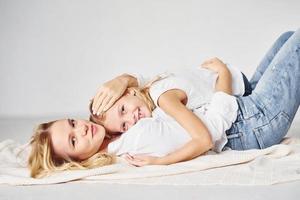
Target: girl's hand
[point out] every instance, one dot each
(214, 64)
(141, 160)
(224, 81)
(108, 94)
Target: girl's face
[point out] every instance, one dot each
(125, 113)
(78, 139)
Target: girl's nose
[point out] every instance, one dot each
(82, 130)
(131, 119)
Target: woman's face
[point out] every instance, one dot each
(125, 113)
(79, 139)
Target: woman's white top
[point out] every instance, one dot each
(161, 134)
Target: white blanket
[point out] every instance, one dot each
(276, 164)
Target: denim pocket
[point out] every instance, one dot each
(235, 141)
(273, 132)
(249, 108)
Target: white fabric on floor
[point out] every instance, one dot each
(276, 164)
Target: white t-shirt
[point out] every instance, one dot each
(207, 78)
(155, 136)
(197, 83)
(161, 134)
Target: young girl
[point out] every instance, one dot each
(261, 120)
(199, 105)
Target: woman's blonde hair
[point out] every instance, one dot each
(43, 161)
(140, 92)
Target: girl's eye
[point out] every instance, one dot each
(73, 141)
(123, 109)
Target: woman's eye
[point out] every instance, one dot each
(124, 126)
(73, 123)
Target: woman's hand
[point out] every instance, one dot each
(141, 160)
(107, 94)
(110, 92)
(214, 64)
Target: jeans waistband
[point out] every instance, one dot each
(248, 88)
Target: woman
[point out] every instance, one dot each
(53, 147)
(252, 112)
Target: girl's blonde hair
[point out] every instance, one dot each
(43, 161)
(140, 92)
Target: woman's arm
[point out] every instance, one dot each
(110, 91)
(173, 103)
(224, 81)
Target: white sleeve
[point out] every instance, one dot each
(238, 87)
(142, 80)
(168, 83)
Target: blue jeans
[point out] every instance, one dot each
(265, 116)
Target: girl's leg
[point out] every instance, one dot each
(265, 116)
(279, 86)
(267, 59)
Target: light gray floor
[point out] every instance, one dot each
(73, 191)
(20, 130)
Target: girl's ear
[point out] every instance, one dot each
(131, 92)
(128, 93)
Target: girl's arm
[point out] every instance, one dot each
(173, 103)
(224, 81)
(110, 91)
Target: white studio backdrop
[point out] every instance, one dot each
(54, 54)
